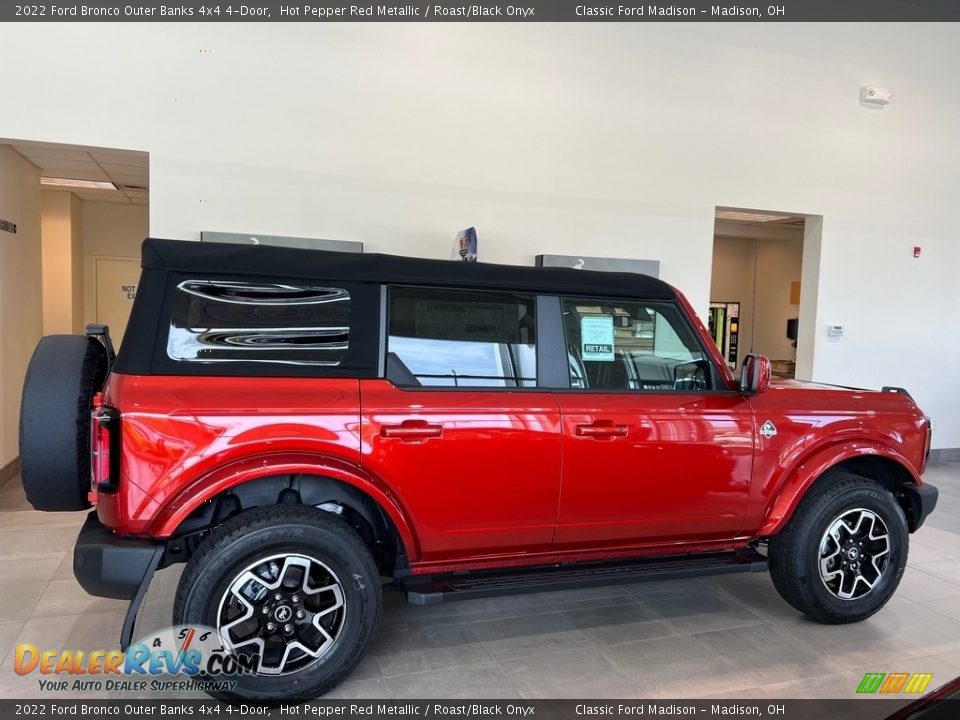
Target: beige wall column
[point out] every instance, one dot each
(21, 296)
(62, 238)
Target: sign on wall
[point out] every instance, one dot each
(8, 226)
(281, 241)
(115, 282)
(583, 262)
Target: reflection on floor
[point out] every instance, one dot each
(724, 636)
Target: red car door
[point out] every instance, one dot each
(458, 429)
(651, 453)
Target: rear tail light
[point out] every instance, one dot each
(105, 448)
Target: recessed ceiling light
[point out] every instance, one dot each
(77, 184)
(743, 216)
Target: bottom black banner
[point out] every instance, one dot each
(858, 709)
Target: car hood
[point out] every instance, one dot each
(792, 384)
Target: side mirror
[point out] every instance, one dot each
(755, 374)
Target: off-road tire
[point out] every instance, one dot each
(265, 532)
(795, 551)
(63, 375)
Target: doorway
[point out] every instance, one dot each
(758, 300)
(93, 218)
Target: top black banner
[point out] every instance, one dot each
(485, 11)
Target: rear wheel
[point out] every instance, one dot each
(294, 590)
(842, 554)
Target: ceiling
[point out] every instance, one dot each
(127, 169)
(758, 217)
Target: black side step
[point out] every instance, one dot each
(430, 590)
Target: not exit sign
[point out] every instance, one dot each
(8, 226)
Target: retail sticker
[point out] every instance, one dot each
(128, 293)
(596, 337)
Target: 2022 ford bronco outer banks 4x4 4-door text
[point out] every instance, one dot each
(301, 427)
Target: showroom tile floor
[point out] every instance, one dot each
(722, 636)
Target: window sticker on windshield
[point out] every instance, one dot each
(596, 337)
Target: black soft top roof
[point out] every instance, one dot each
(272, 261)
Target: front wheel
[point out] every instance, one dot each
(292, 589)
(842, 554)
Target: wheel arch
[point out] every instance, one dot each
(875, 462)
(257, 482)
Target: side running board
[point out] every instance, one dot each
(431, 590)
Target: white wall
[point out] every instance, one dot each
(109, 230)
(620, 139)
(808, 332)
(21, 318)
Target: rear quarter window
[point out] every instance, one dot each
(216, 321)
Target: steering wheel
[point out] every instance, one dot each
(697, 380)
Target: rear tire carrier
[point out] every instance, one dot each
(64, 374)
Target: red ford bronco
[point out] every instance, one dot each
(305, 429)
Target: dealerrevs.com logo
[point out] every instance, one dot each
(188, 657)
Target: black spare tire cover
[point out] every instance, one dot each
(64, 374)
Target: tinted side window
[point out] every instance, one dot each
(461, 338)
(629, 345)
(226, 321)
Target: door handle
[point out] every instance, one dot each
(411, 430)
(602, 429)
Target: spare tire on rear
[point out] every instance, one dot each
(64, 374)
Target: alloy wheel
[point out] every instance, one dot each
(854, 553)
(286, 609)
